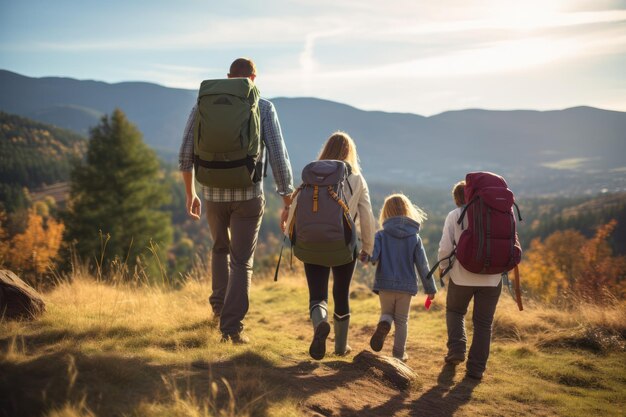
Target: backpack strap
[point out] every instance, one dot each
(465, 209)
(316, 197)
(445, 271)
(519, 215)
(346, 210)
(348, 173)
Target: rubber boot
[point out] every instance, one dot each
(341, 335)
(321, 329)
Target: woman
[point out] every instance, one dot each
(339, 146)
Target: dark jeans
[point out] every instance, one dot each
(234, 229)
(317, 277)
(485, 301)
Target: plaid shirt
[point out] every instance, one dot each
(275, 145)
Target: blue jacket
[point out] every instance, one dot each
(398, 250)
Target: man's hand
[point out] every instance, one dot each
(194, 207)
(364, 257)
(285, 213)
(431, 296)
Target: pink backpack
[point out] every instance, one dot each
(489, 244)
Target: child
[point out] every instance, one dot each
(398, 250)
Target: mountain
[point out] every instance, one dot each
(160, 112)
(576, 150)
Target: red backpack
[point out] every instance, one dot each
(489, 244)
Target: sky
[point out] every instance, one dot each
(416, 56)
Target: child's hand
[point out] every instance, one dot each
(431, 296)
(364, 257)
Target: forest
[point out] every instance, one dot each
(109, 203)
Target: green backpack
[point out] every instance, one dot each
(227, 142)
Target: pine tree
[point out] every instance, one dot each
(118, 191)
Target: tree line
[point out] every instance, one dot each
(124, 202)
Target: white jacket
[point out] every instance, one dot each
(360, 203)
(459, 275)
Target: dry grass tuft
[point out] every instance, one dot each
(598, 328)
(79, 409)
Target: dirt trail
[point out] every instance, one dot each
(339, 387)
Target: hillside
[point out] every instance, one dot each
(159, 112)
(33, 154)
(585, 214)
(575, 150)
(104, 350)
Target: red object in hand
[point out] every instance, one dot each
(427, 303)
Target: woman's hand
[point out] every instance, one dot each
(364, 257)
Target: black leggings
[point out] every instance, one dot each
(317, 278)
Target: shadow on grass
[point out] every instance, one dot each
(114, 385)
(443, 400)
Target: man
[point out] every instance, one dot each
(234, 215)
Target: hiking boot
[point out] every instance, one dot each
(378, 338)
(236, 338)
(345, 352)
(454, 358)
(342, 326)
(317, 350)
(474, 376)
(215, 318)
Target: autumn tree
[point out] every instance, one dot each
(33, 251)
(601, 270)
(118, 193)
(566, 262)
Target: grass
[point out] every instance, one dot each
(102, 350)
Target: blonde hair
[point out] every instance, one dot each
(458, 192)
(397, 205)
(341, 147)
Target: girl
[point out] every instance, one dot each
(398, 250)
(339, 146)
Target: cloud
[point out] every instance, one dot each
(340, 50)
(568, 164)
(308, 65)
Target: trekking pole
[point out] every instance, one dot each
(280, 257)
(518, 291)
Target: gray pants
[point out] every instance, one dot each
(234, 229)
(394, 307)
(485, 301)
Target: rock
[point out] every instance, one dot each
(18, 299)
(391, 369)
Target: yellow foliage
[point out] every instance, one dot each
(566, 261)
(34, 249)
(541, 274)
(601, 270)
